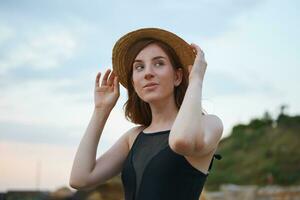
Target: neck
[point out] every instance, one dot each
(164, 113)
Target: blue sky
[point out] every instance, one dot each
(50, 52)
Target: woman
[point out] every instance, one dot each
(170, 153)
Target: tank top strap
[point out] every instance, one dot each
(217, 156)
(139, 135)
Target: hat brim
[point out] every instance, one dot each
(183, 50)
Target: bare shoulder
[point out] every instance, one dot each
(132, 133)
(111, 162)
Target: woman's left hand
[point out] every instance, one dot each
(198, 69)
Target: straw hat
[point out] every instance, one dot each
(183, 50)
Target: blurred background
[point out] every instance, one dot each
(51, 51)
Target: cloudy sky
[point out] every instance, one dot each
(51, 51)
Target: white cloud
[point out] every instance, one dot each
(40, 111)
(43, 50)
(5, 33)
(253, 66)
(36, 102)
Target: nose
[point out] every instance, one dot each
(149, 72)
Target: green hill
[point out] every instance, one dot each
(261, 152)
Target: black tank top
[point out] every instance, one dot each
(153, 171)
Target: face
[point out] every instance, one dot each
(152, 65)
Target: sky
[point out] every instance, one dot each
(51, 51)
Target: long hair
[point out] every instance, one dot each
(137, 110)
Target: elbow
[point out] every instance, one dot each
(77, 184)
(186, 145)
(81, 185)
(183, 147)
(74, 186)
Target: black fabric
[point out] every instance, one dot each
(153, 171)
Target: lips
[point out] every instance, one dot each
(150, 84)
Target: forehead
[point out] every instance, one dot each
(151, 50)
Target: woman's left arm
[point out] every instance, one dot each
(192, 133)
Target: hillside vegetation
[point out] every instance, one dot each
(265, 151)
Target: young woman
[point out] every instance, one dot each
(169, 154)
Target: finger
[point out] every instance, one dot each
(104, 79)
(194, 49)
(197, 48)
(116, 84)
(97, 79)
(111, 78)
(190, 68)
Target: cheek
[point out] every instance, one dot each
(167, 83)
(167, 78)
(136, 83)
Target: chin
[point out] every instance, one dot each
(151, 98)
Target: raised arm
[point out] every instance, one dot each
(105, 98)
(85, 157)
(88, 172)
(192, 133)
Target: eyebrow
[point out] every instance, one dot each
(156, 57)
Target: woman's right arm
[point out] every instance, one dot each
(84, 165)
(84, 160)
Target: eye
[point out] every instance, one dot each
(159, 63)
(137, 66)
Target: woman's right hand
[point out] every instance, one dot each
(106, 94)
